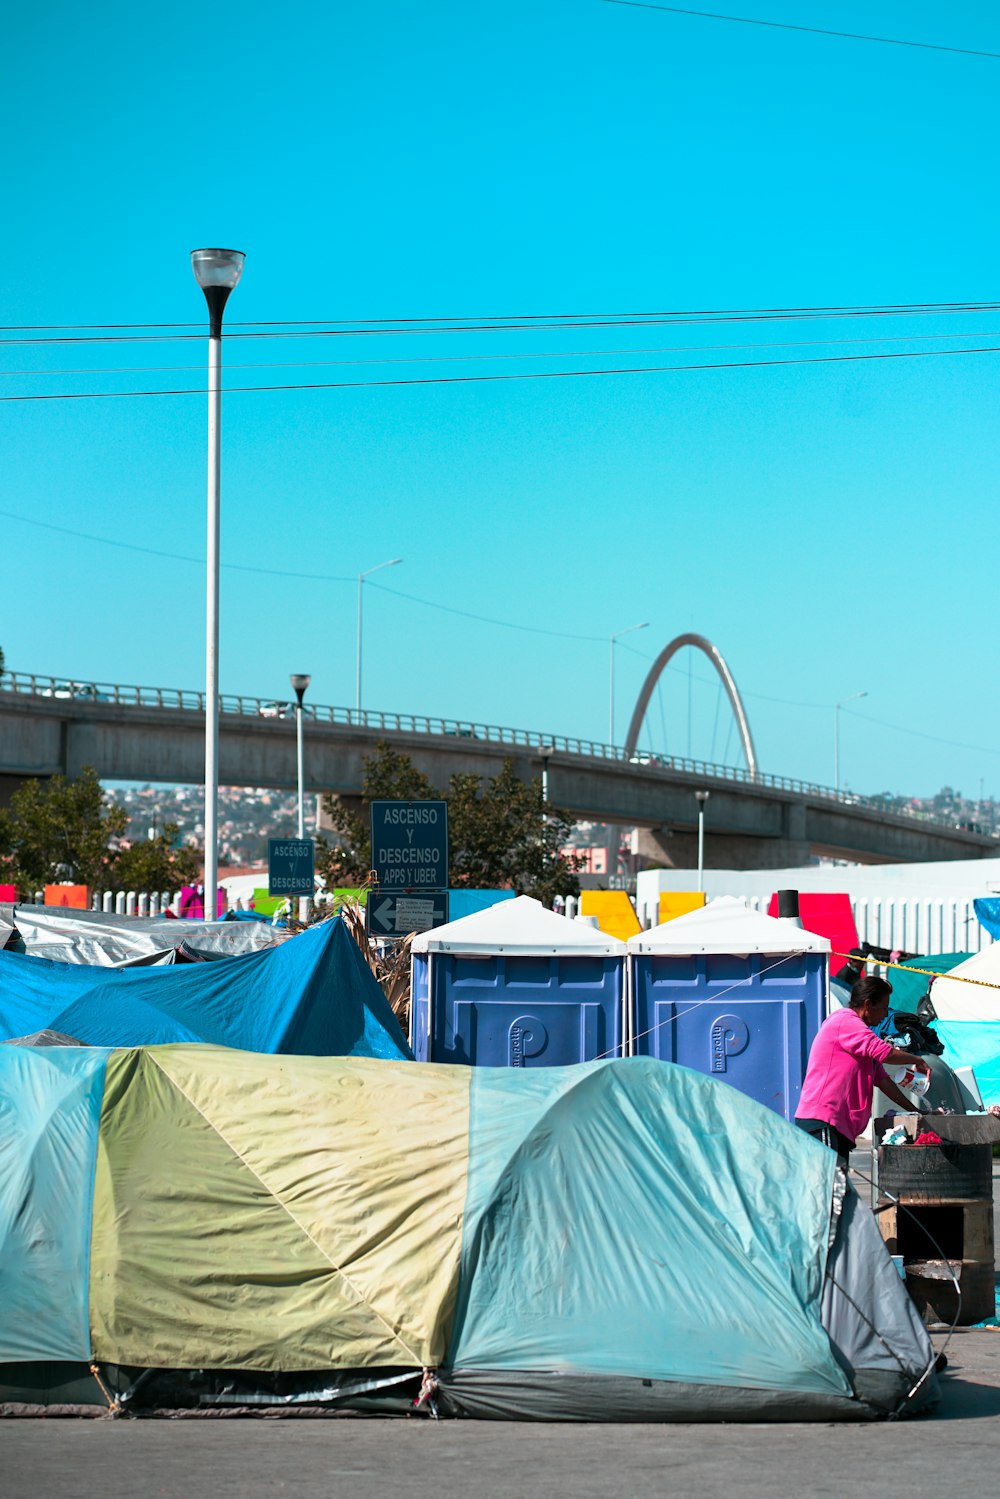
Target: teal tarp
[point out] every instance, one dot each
(908, 989)
(976, 1044)
(634, 1217)
(313, 995)
(50, 1105)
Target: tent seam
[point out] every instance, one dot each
(337, 1269)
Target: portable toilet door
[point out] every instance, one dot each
(516, 986)
(731, 993)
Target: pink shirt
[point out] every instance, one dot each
(845, 1063)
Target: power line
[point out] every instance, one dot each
(299, 364)
(527, 324)
(274, 572)
(850, 36)
(651, 369)
(858, 308)
(979, 749)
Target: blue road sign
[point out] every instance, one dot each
(410, 845)
(291, 864)
(395, 915)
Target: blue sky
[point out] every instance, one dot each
(829, 526)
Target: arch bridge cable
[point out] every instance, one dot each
(714, 655)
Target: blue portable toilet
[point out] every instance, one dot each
(731, 993)
(517, 985)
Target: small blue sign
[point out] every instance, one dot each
(291, 866)
(410, 845)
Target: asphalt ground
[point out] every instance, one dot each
(953, 1452)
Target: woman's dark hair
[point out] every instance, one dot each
(869, 990)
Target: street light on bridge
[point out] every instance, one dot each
(395, 561)
(611, 682)
(216, 272)
(836, 734)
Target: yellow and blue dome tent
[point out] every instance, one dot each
(622, 1240)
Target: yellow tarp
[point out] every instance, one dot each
(614, 911)
(679, 903)
(259, 1212)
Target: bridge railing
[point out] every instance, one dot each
(31, 684)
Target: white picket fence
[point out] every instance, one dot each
(909, 923)
(912, 924)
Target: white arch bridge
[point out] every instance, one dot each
(49, 726)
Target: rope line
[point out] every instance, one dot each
(959, 978)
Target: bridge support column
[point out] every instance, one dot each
(660, 849)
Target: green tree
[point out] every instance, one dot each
(157, 863)
(504, 836)
(389, 776)
(60, 829)
(501, 834)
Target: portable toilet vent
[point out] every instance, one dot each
(730, 993)
(517, 986)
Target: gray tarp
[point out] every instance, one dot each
(102, 940)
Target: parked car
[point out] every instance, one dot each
(86, 691)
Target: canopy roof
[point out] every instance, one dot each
(727, 925)
(314, 994)
(521, 926)
(189, 1208)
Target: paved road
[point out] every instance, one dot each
(955, 1452)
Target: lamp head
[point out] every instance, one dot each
(701, 797)
(217, 272)
(299, 684)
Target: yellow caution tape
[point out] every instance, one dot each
(932, 973)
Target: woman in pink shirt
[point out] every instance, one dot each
(846, 1064)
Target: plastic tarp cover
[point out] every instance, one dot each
(908, 989)
(291, 1214)
(98, 939)
(975, 1044)
(50, 1102)
(987, 909)
(956, 998)
(636, 1218)
(313, 995)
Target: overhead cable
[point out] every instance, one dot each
(850, 36)
(650, 369)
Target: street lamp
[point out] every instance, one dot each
(545, 751)
(395, 561)
(836, 734)
(299, 685)
(216, 272)
(701, 797)
(611, 682)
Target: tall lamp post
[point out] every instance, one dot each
(299, 685)
(216, 272)
(611, 676)
(836, 734)
(701, 797)
(394, 562)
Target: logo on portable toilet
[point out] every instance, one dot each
(526, 1038)
(729, 1036)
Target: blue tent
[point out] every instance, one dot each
(313, 995)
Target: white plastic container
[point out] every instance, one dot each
(910, 1080)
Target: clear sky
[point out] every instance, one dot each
(830, 526)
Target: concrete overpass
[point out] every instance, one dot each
(753, 820)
